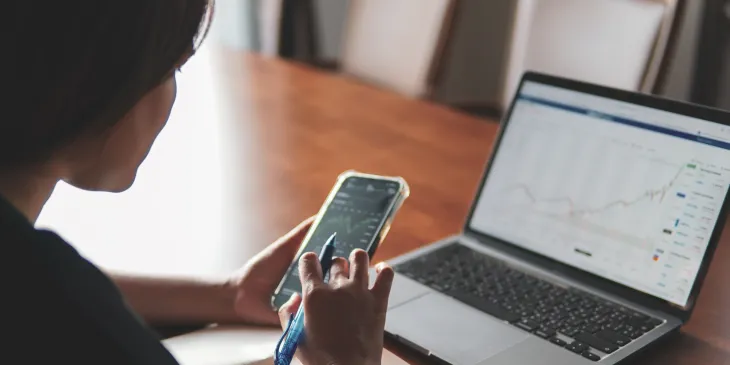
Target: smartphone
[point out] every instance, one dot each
(360, 209)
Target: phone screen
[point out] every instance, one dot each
(356, 213)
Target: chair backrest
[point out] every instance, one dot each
(666, 46)
(269, 27)
(617, 43)
(396, 44)
(287, 28)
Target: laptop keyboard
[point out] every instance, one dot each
(575, 320)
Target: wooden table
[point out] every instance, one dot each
(291, 130)
(313, 126)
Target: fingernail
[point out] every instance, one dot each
(379, 267)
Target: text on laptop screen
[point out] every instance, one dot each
(623, 191)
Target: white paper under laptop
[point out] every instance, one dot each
(236, 345)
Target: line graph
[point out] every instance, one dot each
(345, 223)
(657, 194)
(355, 228)
(624, 214)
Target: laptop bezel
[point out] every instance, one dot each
(647, 300)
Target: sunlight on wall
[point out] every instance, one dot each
(171, 220)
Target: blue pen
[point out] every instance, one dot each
(294, 331)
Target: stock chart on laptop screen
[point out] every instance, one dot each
(623, 191)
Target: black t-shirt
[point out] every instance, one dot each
(58, 308)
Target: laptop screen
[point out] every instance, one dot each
(623, 191)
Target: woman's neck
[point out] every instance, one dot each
(27, 192)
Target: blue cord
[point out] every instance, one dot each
(277, 359)
(294, 332)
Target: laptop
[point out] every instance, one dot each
(589, 237)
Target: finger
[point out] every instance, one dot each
(284, 250)
(293, 239)
(382, 285)
(359, 264)
(339, 272)
(288, 309)
(310, 272)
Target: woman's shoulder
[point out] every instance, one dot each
(41, 258)
(68, 301)
(29, 247)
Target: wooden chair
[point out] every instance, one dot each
(713, 39)
(269, 26)
(620, 43)
(396, 44)
(287, 28)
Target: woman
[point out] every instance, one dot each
(89, 85)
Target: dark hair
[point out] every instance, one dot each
(78, 66)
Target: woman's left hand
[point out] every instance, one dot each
(256, 281)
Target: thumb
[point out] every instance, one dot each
(291, 241)
(278, 256)
(289, 309)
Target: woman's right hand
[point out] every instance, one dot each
(344, 319)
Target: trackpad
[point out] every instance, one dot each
(452, 330)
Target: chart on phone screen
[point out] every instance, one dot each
(355, 228)
(634, 206)
(355, 214)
